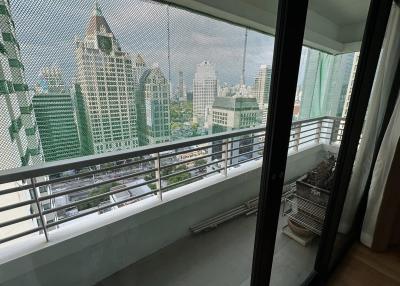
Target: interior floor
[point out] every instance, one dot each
(361, 266)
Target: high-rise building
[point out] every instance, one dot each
(154, 125)
(232, 113)
(181, 92)
(54, 112)
(261, 89)
(339, 84)
(325, 84)
(16, 107)
(189, 96)
(107, 80)
(205, 90)
(20, 144)
(350, 85)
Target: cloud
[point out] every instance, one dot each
(46, 31)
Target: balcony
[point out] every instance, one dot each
(133, 211)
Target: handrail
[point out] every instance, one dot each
(224, 153)
(47, 168)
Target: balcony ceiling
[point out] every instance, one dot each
(341, 12)
(335, 26)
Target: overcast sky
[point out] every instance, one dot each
(46, 30)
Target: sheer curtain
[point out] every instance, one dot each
(376, 109)
(380, 175)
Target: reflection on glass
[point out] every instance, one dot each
(323, 92)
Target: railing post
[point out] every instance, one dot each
(41, 216)
(319, 130)
(158, 175)
(225, 156)
(334, 131)
(297, 132)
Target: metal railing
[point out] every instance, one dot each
(100, 183)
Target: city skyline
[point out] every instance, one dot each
(193, 38)
(107, 76)
(119, 79)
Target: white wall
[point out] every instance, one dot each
(321, 33)
(84, 253)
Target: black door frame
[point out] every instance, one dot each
(285, 68)
(374, 33)
(356, 227)
(287, 51)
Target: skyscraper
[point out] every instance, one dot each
(20, 145)
(22, 141)
(261, 89)
(325, 84)
(54, 112)
(181, 87)
(205, 90)
(107, 79)
(350, 85)
(154, 124)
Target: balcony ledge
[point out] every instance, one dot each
(111, 241)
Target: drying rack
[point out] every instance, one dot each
(304, 212)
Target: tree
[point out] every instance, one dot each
(152, 186)
(200, 162)
(178, 178)
(97, 191)
(150, 176)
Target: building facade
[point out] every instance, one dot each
(54, 113)
(20, 142)
(154, 124)
(107, 80)
(350, 85)
(205, 90)
(325, 84)
(261, 89)
(16, 106)
(232, 113)
(181, 91)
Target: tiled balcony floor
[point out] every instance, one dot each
(219, 257)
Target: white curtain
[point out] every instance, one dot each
(376, 109)
(380, 175)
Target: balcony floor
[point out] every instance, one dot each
(219, 257)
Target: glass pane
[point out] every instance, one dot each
(151, 119)
(319, 115)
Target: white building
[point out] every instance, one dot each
(154, 124)
(108, 79)
(233, 113)
(181, 90)
(205, 90)
(261, 89)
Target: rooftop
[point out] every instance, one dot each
(236, 103)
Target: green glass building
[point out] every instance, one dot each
(325, 84)
(154, 124)
(17, 121)
(54, 112)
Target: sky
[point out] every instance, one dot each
(46, 31)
